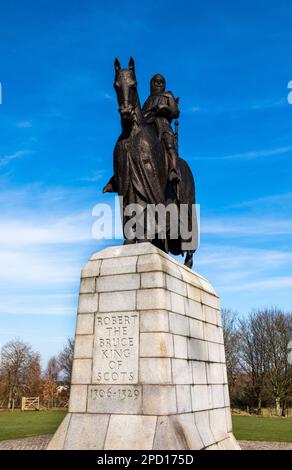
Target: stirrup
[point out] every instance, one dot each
(174, 176)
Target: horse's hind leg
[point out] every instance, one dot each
(189, 259)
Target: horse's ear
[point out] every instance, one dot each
(117, 65)
(132, 64)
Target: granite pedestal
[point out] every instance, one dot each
(149, 366)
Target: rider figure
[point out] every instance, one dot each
(161, 107)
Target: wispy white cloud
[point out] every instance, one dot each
(246, 226)
(37, 201)
(264, 285)
(194, 109)
(44, 234)
(213, 109)
(13, 156)
(277, 103)
(229, 257)
(250, 155)
(283, 199)
(38, 267)
(24, 124)
(108, 96)
(96, 176)
(34, 304)
(55, 230)
(237, 269)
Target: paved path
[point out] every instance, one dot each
(265, 445)
(27, 443)
(41, 442)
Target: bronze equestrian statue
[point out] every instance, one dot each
(147, 169)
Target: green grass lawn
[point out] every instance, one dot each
(254, 428)
(29, 423)
(33, 423)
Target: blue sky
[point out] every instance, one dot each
(230, 64)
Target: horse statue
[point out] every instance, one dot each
(141, 170)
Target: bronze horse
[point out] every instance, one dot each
(141, 165)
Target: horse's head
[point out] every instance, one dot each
(126, 88)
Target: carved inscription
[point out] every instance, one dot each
(116, 393)
(114, 399)
(116, 348)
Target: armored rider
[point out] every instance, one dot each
(161, 108)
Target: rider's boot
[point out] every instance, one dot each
(174, 174)
(110, 186)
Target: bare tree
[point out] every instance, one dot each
(19, 369)
(65, 360)
(252, 356)
(231, 343)
(52, 370)
(277, 331)
(34, 376)
(264, 338)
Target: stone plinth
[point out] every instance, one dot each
(149, 366)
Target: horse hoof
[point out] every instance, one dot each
(189, 262)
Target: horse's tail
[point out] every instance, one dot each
(187, 197)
